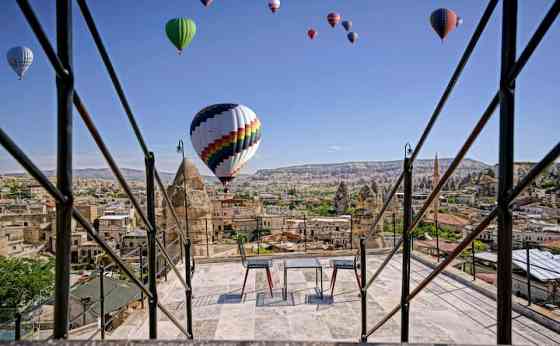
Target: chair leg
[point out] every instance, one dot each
(269, 277)
(335, 272)
(244, 282)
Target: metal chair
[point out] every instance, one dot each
(345, 265)
(253, 263)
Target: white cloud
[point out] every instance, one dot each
(334, 148)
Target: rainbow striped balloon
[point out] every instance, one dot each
(225, 136)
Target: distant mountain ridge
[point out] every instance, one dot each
(371, 167)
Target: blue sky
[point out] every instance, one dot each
(319, 101)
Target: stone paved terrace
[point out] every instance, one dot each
(448, 312)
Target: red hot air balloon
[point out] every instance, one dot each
(311, 33)
(206, 3)
(274, 5)
(333, 19)
(444, 21)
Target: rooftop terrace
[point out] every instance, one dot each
(447, 312)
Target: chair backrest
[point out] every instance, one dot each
(241, 246)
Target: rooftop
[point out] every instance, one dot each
(447, 312)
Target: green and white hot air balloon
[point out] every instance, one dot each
(180, 32)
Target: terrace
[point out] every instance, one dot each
(448, 311)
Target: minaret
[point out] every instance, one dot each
(435, 181)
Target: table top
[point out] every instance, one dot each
(302, 263)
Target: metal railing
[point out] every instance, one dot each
(62, 193)
(504, 98)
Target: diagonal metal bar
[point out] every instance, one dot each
(456, 74)
(550, 157)
(172, 264)
(118, 174)
(529, 49)
(90, 22)
(12, 148)
(39, 32)
(452, 167)
(443, 100)
(112, 74)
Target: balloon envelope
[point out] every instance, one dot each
(311, 33)
(352, 37)
(347, 25)
(274, 5)
(20, 58)
(180, 32)
(225, 136)
(206, 3)
(333, 19)
(444, 21)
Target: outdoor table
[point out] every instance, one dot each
(303, 263)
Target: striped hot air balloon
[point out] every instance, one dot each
(180, 32)
(444, 21)
(333, 18)
(20, 58)
(225, 136)
(274, 5)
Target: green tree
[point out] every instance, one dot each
(23, 281)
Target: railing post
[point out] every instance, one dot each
(165, 248)
(473, 263)
(437, 234)
(407, 221)
(207, 239)
(394, 230)
(17, 332)
(150, 194)
(305, 232)
(65, 91)
(102, 301)
(363, 288)
(528, 262)
(505, 172)
(142, 275)
(188, 292)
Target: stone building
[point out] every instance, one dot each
(199, 208)
(368, 206)
(334, 232)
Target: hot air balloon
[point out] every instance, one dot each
(180, 32)
(20, 58)
(206, 3)
(333, 19)
(311, 33)
(347, 24)
(444, 21)
(352, 37)
(274, 5)
(225, 136)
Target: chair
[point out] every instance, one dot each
(253, 263)
(345, 265)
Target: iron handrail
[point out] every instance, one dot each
(442, 101)
(533, 43)
(549, 158)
